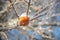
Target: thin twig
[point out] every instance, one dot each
(41, 10)
(48, 14)
(14, 8)
(28, 8)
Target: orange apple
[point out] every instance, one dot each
(23, 20)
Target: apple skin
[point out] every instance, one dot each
(23, 20)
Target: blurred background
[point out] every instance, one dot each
(44, 21)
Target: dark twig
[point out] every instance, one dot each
(28, 7)
(14, 8)
(38, 16)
